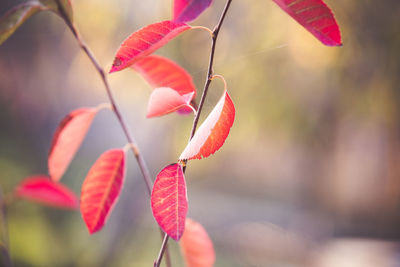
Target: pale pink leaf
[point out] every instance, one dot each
(165, 100)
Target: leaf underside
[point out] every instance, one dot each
(213, 132)
(165, 100)
(188, 10)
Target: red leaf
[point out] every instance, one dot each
(169, 200)
(67, 140)
(316, 17)
(145, 41)
(43, 190)
(101, 188)
(188, 10)
(165, 100)
(212, 133)
(162, 72)
(196, 246)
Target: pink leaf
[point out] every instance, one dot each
(316, 17)
(145, 41)
(165, 100)
(188, 10)
(101, 188)
(196, 246)
(67, 140)
(169, 200)
(43, 190)
(162, 72)
(213, 132)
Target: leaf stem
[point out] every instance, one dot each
(209, 78)
(103, 106)
(222, 79)
(203, 28)
(132, 143)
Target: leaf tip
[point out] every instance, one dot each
(116, 65)
(43, 190)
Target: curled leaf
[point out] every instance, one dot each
(165, 100)
(43, 190)
(188, 10)
(101, 188)
(67, 7)
(162, 72)
(67, 140)
(213, 132)
(169, 200)
(196, 245)
(145, 41)
(316, 17)
(16, 16)
(61, 7)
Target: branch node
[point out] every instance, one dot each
(134, 148)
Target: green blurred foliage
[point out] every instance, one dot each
(310, 169)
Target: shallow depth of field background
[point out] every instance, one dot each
(309, 175)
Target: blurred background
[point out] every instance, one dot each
(309, 175)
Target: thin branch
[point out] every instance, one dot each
(132, 143)
(210, 68)
(4, 246)
(142, 164)
(202, 99)
(162, 250)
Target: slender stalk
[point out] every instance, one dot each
(132, 143)
(134, 148)
(210, 67)
(162, 250)
(5, 259)
(209, 78)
